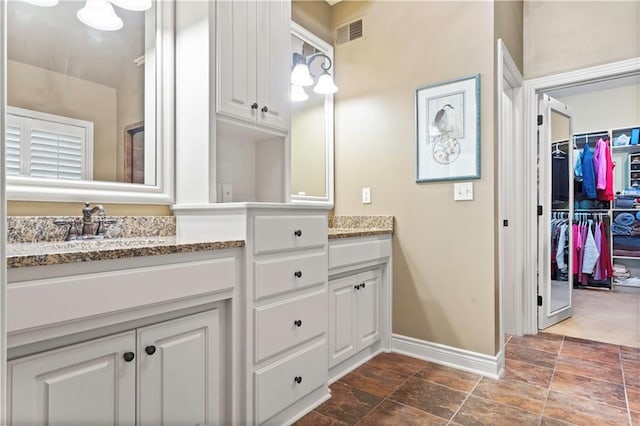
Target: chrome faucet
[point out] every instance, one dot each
(88, 229)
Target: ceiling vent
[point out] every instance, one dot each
(349, 32)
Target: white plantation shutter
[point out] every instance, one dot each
(48, 146)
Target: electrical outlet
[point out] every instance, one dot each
(463, 191)
(366, 195)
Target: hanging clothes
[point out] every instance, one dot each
(588, 173)
(606, 266)
(605, 171)
(559, 176)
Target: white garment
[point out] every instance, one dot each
(591, 253)
(562, 241)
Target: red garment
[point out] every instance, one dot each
(607, 194)
(606, 268)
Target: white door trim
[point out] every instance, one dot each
(530, 89)
(3, 214)
(510, 149)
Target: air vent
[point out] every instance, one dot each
(349, 32)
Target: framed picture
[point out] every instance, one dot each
(448, 130)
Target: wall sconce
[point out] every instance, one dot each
(302, 77)
(100, 15)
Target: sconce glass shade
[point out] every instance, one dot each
(99, 14)
(298, 94)
(325, 85)
(135, 5)
(300, 75)
(43, 3)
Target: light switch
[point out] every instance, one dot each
(366, 195)
(463, 191)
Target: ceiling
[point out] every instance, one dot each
(54, 39)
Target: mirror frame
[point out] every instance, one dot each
(26, 188)
(308, 37)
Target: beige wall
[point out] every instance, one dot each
(308, 168)
(314, 15)
(33, 208)
(54, 93)
(508, 18)
(444, 251)
(568, 35)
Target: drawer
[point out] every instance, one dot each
(283, 325)
(354, 251)
(276, 385)
(274, 233)
(285, 274)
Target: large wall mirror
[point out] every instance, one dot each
(90, 104)
(311, 129)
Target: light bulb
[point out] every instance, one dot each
(298, 94)
(300, 75)
(43, 3)
(99, 14)
(135, 5)
(325, 85)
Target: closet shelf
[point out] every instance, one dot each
(627, 257)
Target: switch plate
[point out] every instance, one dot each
(366, 195)
(463, 191)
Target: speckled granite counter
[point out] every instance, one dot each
(359, 226)
(21, 255)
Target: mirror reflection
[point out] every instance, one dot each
(76, 93)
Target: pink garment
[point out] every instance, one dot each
(575, 249)
(597, 270)
(600, 164)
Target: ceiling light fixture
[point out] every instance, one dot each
(43, 3)
(99, 14)
(135, 5)
(301, 76)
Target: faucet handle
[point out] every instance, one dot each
(72, 232)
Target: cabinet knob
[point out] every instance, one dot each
(254, 105)
(298, 232)
(128, 356)
(363, 285)
(298, 379)
(265, 109)
(357, 287)
(298, 323)
(150, 350)
(298, 274)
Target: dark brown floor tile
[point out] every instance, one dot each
(631, 369)
(529, 354)
(527, 373)
(538, 342)
(635, 418)
(596, 390)
(392, 414)
(546, 421)
(430, 397)
(593, 369)
(447, 376)
(520, 395)
(348, 404)
(600, 352)
(593, 344)
(549, 336)
(316, 419)
(583, 411)
(397, 363)
(627, 352)
(478, 411)
(374, 380)
(633, 396)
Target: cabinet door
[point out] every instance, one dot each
(236, 58)
(342, 319)
(179, 371)
(83, 384)
(368, 308)
(274, 63)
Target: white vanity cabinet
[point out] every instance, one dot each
(176, 364)
(253, 61)
(354, 314)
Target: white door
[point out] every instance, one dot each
(179, 371)
(368, 308)
(274, 62)
(342, 319)
(555, 198)
(91, 383)
(236, 59)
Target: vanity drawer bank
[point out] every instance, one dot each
(124, 331)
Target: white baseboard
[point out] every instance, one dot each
(474, 362)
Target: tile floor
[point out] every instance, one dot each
(548, 380)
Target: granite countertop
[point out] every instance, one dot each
(21, 255)
(359, 226)
(335, 233)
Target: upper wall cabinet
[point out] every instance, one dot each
(253, 49)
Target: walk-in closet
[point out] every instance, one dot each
(589, 211)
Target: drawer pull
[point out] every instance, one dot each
(298, 274)
(150, 350)
(357, 287)
(298, 323)
(298, 379)
(363, 285)
(128, 356)
(298, 232)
